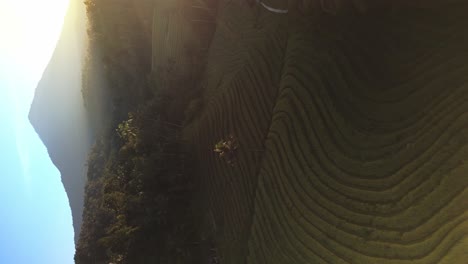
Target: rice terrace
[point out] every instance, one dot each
(280, 132)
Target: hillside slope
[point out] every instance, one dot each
(352, 130)
(57, 112)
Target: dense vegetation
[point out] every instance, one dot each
(119, 49)
(137, 192)
(140, 178)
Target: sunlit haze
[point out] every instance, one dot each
(30, 30)
(35, 225)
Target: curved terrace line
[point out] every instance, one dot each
(271, 9)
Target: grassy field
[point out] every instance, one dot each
(352, 131)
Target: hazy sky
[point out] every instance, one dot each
(35, 217)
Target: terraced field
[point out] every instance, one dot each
(353, 136)
(180, 30)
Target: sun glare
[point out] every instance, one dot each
(30, 30)
(33, 21)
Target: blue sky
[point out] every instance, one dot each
(35, 217)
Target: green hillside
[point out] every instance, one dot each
(362, 119)
(351, 119)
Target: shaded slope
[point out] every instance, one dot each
(57, 112)
(363, 123)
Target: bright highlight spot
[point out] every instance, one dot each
(30, 29)
(36, 225)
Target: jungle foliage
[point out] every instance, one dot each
(141, 178)
(119, 33)
(137, 193)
